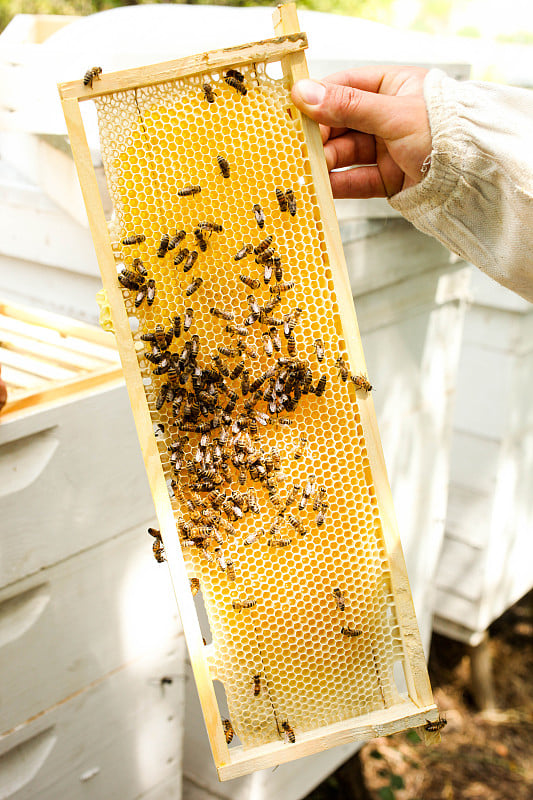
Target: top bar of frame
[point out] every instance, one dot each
(265, 51)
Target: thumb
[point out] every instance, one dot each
(344, 107)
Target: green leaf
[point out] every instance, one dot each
(396, 781)
(385, 793)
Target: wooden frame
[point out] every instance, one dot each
(418, 706)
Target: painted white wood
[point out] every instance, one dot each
(81, 619)
(120, 737)
(92, 471)
(488, 549)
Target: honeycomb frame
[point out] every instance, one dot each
(307, 677)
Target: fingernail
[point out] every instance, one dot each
(311, 92)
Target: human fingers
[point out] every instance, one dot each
(349, 149)
(368, 79)
(342, 106)
(359, 182)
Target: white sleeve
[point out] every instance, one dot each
(477, 196)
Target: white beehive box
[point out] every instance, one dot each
(485, 564)
(82, 650)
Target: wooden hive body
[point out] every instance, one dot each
(159, 133)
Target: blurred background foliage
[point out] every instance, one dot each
(472, 18)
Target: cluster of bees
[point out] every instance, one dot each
(219, 403)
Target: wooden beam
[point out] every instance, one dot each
(265, 51)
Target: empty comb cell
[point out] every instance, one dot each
(226, 402)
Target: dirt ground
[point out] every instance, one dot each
(482, 756)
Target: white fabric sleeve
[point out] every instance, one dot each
(477, 196)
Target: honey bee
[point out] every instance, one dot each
(163, 245)
(134, 238)
(224, 166)
(130, 279)
(291, 201)
(150, 292)
(229, 733)
(240, 254)
(201, 241)
(187, 191)
(253, 537)
(361, 382)
(253, 283)
(175, 240)
(343, 368)
(275, 337)
(162, 396)
(209, 92)
(236, 84)
(319, 349)
(227, 526)
(307, 492)
(237, 370)
(176, 326)
(297, 524)
(267, 272)
(278, 270)
(282, 200)
(257, 685)
(264, 245)
(155, 533)
(291, 344)
(289, 731)
(438, 725)
(194, 583)
(267, 257)
(190, 261)
(300, 450)
(194, 286)
(279, 541)
(282, 287)
(138, 265)
(347, 631)
(92, 74)
(245, 382)
(248, 602)
(180, 256)
(187, 319)
(234, 73)
(259, 215)
(213, 227)
(321, 516)
(222, 314)
(159, 551)
(230, 569)
(293, 494)
(339, 599)
(141, 294)
(267, 344)
(321, 385)
(236, 330)
(319, 498)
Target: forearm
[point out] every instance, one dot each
(477, 196)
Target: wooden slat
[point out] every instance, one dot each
(267, 50)
(104, 355)
(21, 380)
(54, 393)
(295, 67)
(65, 325)
(152, 461)
(380, 723)
(53, 354)
(34, 366)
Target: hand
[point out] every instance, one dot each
(375, 117)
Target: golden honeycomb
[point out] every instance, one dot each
(156, 140)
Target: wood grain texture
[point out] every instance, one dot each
(267, 50)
